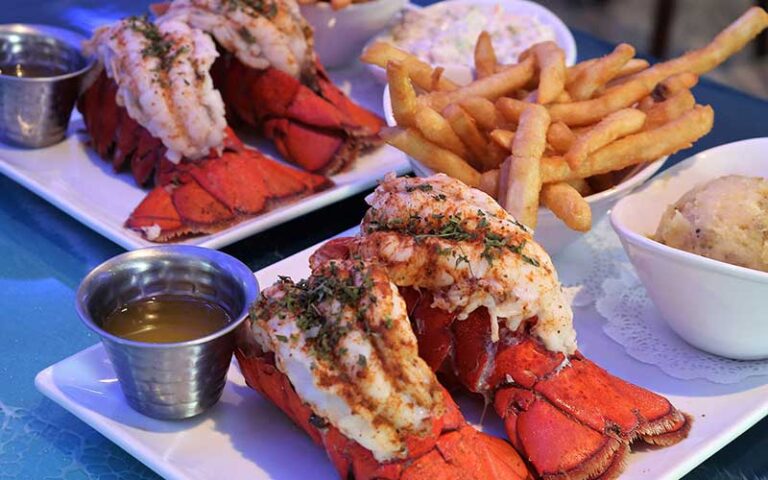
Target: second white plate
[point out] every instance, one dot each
(73, 178)
(246, 437)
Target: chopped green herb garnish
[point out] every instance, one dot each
(282, 338)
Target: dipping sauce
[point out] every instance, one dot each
(446, 33)
(31, 70)
(166, 319)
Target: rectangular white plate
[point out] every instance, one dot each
(244, 436)
(73, 178)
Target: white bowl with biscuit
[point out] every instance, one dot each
(715, 306)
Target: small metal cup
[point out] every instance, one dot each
(35, 111)
(169, 380)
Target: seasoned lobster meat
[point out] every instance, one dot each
(153, 107)
(337, 354)
(270, 79)
(489, 314)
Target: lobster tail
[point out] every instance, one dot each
(336, 354)
(313, 124)
(568, 417)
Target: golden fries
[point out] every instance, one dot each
(600, 72)
(531, 135)
(642, 147)
(662, 112)
(537, 132)
(503, 138)
(381, 53)
(466, 129)
(614, 126)
(401, 94)
(434, 157)
(485, 56)
(550, 60)
(511, 108)
(520, 182)
(483, 111)
(560, 137)
(438, 130)
(673, 85)
(568, 205)
(491, 87)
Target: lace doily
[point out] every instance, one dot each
(633, 321)
(584, 265)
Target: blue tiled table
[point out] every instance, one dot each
(44, 254)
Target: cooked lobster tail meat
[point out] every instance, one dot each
(153, 109)
(154, 98)
(270, 79)
(489, 314)
(336, 353)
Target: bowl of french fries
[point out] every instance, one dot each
(532, 134)
(343, 27)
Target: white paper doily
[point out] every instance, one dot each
(583, 266)
(633, 321)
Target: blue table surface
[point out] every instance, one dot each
(44, 254)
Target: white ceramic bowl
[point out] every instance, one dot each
(714, 306)
(461, 73)
(551, 232)
(341, 34)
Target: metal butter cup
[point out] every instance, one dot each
(35, 111)
(169, 380)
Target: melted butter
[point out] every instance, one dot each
(166, 319)
(30, 70)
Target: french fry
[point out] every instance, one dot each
(483, 111)
(567, 205)
(401, 94)
(503, 138)
(633, 66)
(531, 135)
(600, 72)
(663, 112)
(381, 53)
(575, 70)
(466, 129)
(492, 87)
(520, 184)
(560, 137)
(564, 97)
(521, 177)
(496, 155)
(485, 56)
(438, 159)
(511, 108)
(437, 76)
(646, 146)
(550, 60)
(674, 84)
(614, 126)
(437, 129)
(646, 103)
